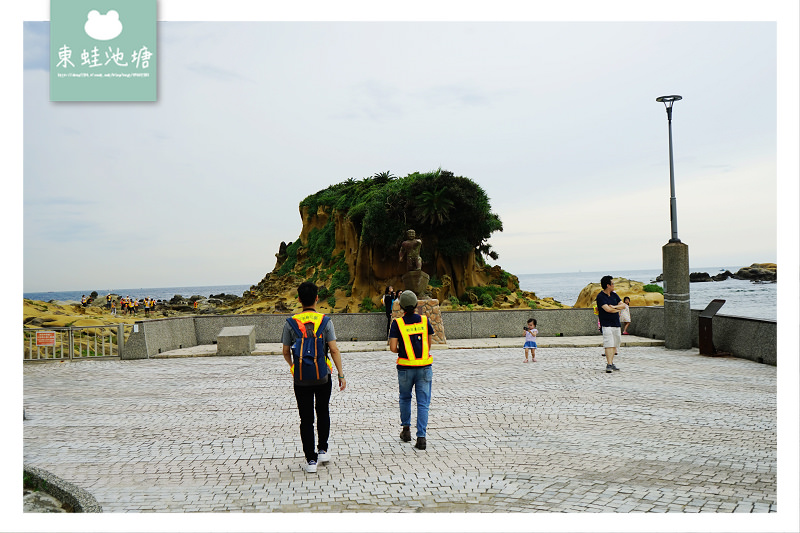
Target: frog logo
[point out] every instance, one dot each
(103, 27)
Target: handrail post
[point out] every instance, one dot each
(120, 339)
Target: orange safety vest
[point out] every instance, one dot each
(406, 331)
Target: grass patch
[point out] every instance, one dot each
(366, 305)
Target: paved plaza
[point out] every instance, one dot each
(672, 431)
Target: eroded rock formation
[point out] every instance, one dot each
(623, 287)
(371, 271)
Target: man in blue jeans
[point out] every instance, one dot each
(409, 338)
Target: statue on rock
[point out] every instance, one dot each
(415, 280)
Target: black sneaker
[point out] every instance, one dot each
(609, 369)
(421, 444)
(614, 367)
(405, 435)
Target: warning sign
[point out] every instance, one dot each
(45, 338)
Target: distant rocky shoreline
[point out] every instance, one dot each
(757, 272)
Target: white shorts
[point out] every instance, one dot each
(611, 337)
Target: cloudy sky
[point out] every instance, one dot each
(557, 121)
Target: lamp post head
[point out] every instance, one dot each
(668, 101)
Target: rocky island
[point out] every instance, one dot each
(353, 233)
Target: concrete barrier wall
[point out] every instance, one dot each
(647, 322)
(268, 327)
(746, 338)
(360, 326)
(160, 335)
(743, 337)
(509, 323)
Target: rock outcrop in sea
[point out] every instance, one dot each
(350, 240)
(457, 282)
(755, 272)
(623, 287)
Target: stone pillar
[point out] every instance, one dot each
(677, 313)
(430, 308)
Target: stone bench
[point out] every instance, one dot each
(236, 340)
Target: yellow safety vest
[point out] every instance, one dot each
(315, 318)
(406, 330)
(308, 316)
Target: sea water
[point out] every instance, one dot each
(160, 293)
(742, 298)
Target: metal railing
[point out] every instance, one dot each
(71, 343)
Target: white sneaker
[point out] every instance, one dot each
(323, 456)
(310, 467)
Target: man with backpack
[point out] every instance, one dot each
(307, 338)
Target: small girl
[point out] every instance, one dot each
(530, 339)
(625, 316)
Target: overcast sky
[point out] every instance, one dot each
(557, 121)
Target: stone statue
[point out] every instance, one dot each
(410, 248)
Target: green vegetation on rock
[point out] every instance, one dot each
(653, 288)
(451, 212)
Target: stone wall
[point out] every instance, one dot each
(207, 327)
(747, 338)
(159, 335)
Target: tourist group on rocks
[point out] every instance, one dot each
(128, 305)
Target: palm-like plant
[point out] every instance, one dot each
(382, 177)
(434, 206)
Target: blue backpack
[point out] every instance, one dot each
(310, 363)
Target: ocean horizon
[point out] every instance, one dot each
(742, 298)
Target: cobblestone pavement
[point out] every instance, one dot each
(672, 431)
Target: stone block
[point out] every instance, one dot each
(236, 340)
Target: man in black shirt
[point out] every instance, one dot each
(608, 307)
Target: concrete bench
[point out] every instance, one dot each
(236, 340)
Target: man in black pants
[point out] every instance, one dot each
(309, 392)
(388, 299)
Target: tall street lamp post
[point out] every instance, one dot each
(675, 256)
(673, 210)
